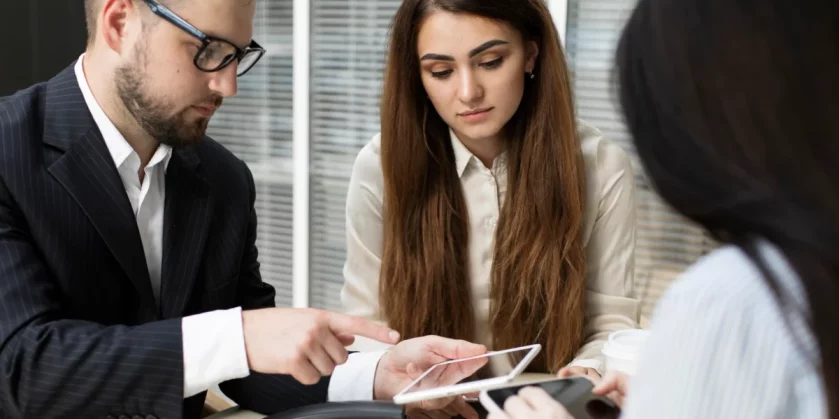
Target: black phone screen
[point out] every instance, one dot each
(500, 396)
(573, 393)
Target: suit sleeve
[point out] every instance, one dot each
(55, 367)
(265, 393)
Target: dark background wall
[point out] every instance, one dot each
(39, 38)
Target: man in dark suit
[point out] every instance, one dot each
(129, 280)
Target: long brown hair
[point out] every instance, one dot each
(538, 272)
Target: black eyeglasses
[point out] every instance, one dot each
(214, 54)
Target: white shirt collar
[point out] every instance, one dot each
(463, 156)
(117, 145)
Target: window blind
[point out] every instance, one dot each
(348, 46)
(256, 125)
(666, 242)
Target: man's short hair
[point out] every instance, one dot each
(91, 12)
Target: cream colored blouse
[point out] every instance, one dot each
(609, 234)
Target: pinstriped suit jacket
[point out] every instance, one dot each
(80, 333)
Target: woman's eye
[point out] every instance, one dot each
(441, 74)
(492, 64)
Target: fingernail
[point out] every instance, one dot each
(394, 336)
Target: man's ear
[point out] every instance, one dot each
(117, 20)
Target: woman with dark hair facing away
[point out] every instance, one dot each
(484, 210)
(733, 108)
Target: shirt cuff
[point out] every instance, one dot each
(354, 379)
(214, 349)
(594, 364)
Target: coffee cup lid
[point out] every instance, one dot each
(626, 343)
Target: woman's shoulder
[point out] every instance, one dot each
(725, 277)
(720, 327)
(371, 152)
(368, 166)
(609, 177)
(603, 158)
(728, 280)
(728, 276)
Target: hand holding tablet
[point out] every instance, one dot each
(451, 378)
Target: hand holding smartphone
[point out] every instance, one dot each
(573, 393)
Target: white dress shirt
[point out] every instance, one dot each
(213, 342)
(721, 346)
(608, 232)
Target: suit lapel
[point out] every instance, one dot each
(87, 171)
(186, 219)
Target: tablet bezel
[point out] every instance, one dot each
(470, 387)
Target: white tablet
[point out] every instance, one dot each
(452, 378)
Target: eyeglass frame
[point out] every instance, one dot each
(206, 40)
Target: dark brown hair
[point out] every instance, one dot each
(538, 272)
(733, 108)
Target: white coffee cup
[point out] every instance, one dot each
(623, 350)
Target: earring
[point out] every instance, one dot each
(531, 76)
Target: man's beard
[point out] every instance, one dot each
(151, 114)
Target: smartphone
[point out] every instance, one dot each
(573, 393)
(459, 376)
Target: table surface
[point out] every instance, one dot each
(237, 413)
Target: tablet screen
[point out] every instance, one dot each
(491, 365)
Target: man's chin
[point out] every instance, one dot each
(183, 140)
(190, 136)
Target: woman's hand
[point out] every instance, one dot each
(532, 403)
(589, 373)
(614, 386)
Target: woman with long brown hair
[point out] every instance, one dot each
(484, 210)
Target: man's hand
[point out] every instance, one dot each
(400, 366)
(304, 343)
